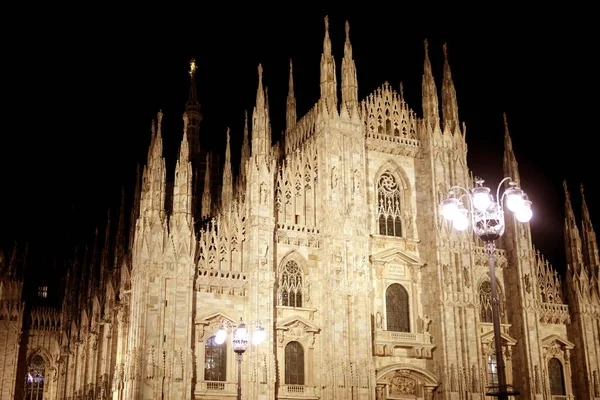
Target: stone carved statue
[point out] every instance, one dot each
(378, 320)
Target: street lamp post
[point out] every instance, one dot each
(239, 343)
(486, 217)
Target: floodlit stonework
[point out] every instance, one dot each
(332, 237)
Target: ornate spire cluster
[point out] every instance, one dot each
(328, 75)
(582, 254)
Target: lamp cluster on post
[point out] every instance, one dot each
(485, 214)
(239, 342)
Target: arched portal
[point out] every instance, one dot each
(396, 381)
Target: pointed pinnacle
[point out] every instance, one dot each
(347, 27)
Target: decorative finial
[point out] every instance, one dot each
(347, 30)
(326, 23)
(260, 71)
(565, 186)
(185, 122)
(581, 188)
(401, 90)
(426, 46)
(445, 49)
(193, 67)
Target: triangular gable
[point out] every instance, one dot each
(506, 338)
(210, 317)
(395, 255)
(549, 341)
(286, 323)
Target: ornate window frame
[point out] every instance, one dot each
(554, 346)
(406, 200)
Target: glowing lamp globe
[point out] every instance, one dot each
(481, 198)
(524, 213)
(461, 220)
(259, 335)
(221, 336)
(450, 208)
(514, 198)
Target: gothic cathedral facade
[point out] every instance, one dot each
(331, 240)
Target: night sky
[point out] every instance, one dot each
(80, 95)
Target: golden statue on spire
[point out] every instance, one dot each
(193, 67)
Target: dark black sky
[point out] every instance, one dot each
(80, 93)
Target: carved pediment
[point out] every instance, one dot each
(396, 256)
(297, 322)
(214, 317)
(507, 340)
(555, 340)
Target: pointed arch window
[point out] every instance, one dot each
(397, 308)
(389, 212)
(290, 284)
(215, 360)
(485, 302)
(294, 364)
(35, 379)
(556, 377)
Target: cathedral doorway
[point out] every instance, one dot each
(403, 381)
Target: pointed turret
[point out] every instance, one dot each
(259, 121)
(245, 156)
(590, 244)
(349, 81)
(449, 103)
(572, 239)
(227, 189)
(105, 257)
(119, 245)
(193, 114)
(135, 209)
(182, 188)
(328, 75)
(206, 200)
(269, 138)
(511, 167)
(430, 97)
(290, 110)
(152, 201)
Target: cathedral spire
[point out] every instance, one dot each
(290, 112)
(449, 103)
(153, 188)
(349, 82)
(135, 209)
(429, 93)
(192, 112)
(206, 205)
(259, 121)
(182, 188)
(572, 239)
(511, 167)
(245, 156)
(590, 243)
(119, 245)
(227, 190)
(328, 76)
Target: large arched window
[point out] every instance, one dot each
(396, 307)
(290, 284)
(215, 360)
(294, 364)
(485, 302)
(556, 377)
(34, 381)
(389, 212)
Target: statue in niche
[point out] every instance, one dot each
(355, 181)
(426, 323)
(380, 395)
(378, 320)
(467, 276)
(334, 178)
(263, 193)
(527, 279)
